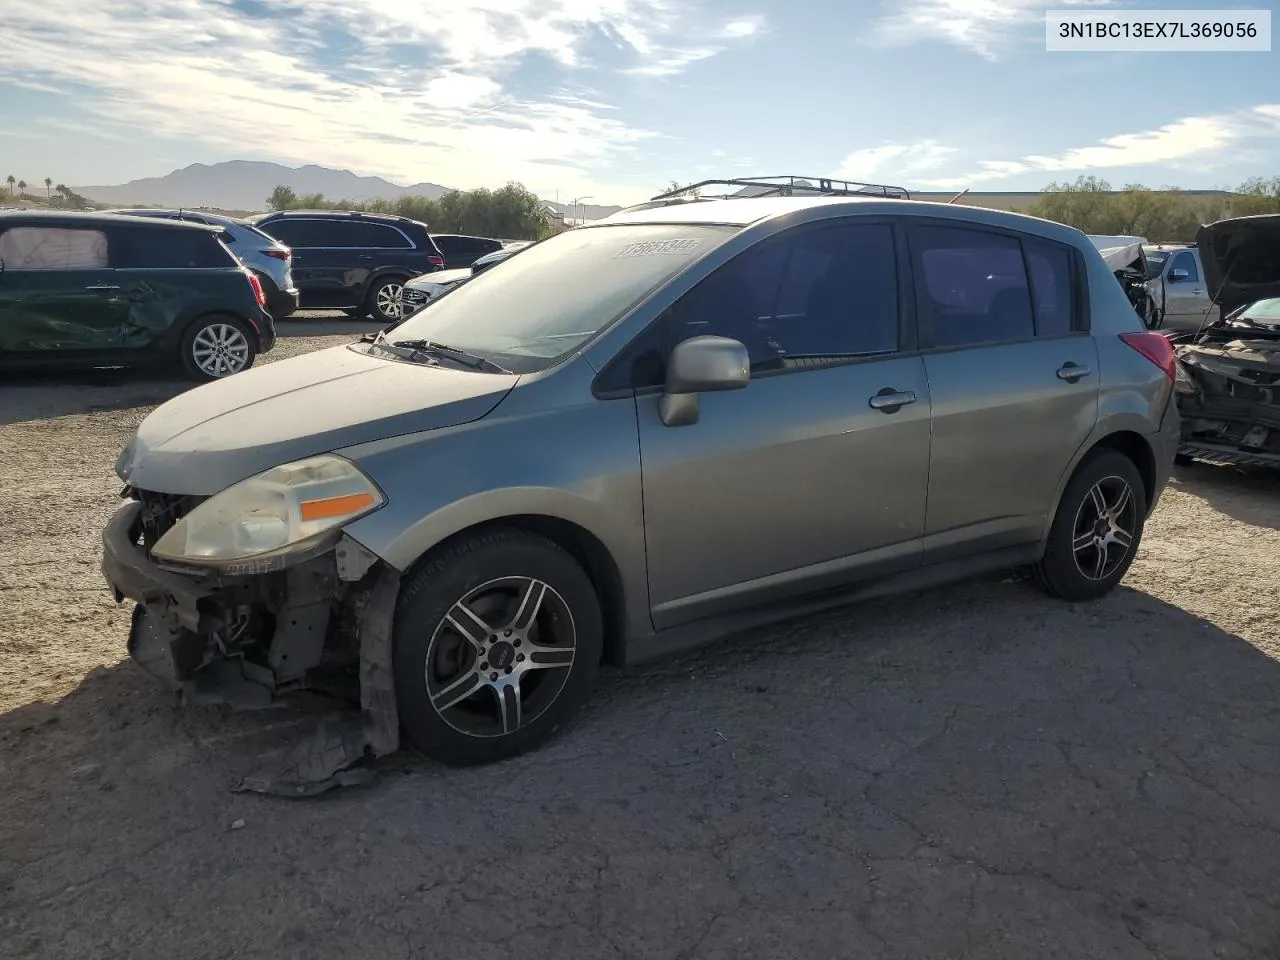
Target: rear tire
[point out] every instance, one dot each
(216, 347)
(478, 677)
(1097, 530)
(383, 302)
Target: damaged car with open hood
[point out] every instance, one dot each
(680, 422)
(1229, 371)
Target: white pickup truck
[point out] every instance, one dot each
(1176, 280)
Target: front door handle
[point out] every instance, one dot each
(102, 288)
(891, 400)
(1071, 372)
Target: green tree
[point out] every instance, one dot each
(282, 198)
(1255, 196)
(11, 181)
(48, 186)
(22, 187)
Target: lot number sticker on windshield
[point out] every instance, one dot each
(654, 248)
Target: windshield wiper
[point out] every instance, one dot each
(472, 360)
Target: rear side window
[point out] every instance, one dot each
(318, 233)
(53, 248)
(142, 249)
(1051, 289)
(383, 237)
(975, 287)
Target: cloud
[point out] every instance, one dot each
(1199, 143)
(984, 27)
(391, 87)
(895, 161)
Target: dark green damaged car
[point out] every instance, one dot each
(92, 290)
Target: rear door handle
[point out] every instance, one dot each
(102, 288)
(365, 256)
(1071, 372)
(891, 400)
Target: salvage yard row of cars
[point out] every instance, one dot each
(666, 375)
(198, 290)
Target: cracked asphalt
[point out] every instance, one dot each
(974, 772)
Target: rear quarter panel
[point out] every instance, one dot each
(1134, 394)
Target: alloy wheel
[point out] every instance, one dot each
(1103, 532)
(389, 302)
(500, 656)
(220, 350)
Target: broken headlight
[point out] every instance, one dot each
(285, 510)
(1183, 382)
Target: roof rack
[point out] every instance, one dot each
(784, 186)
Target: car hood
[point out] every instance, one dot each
(440, 277)
(1241, 259)
(206, 439)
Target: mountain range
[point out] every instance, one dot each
(243, 186)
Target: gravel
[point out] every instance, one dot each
(974, 772)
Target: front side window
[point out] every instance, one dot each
(827, 293)
(556, 295)
(53, 248)
(975, 286)
(1187, 262)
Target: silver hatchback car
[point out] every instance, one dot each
(638, 435)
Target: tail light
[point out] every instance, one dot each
(435, 261)
(257, 289)
(1156, 348)
(278, 254)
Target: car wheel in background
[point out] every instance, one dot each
(217, 346)
(384, 303)
(1097, 529)
(498, 639)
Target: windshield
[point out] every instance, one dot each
(1264, 311)
(557, 294)
(1155, 264)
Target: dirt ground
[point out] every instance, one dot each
(976, 772)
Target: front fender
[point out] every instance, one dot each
(578, 464)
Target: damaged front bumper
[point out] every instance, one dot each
(1230, 404)
(242, 640)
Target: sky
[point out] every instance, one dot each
(613, 99)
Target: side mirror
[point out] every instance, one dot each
(1, 265)
(1178, 276)
(701, 365)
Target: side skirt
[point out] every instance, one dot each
(698, 633)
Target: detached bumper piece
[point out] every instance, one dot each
(240, 641)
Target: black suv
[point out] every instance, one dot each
(90, 290)
(357, 262)
(462, 251)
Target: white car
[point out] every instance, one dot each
(429, 287)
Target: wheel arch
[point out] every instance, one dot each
(585, 547)
(187, 322)
(1124, 437)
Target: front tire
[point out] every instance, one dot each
(217, 346)
(497, 642)
(383, 303)
(1097, 529)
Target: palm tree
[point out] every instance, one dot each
(48, 186)
(63, 191)
(22, 188)
(11, 181)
